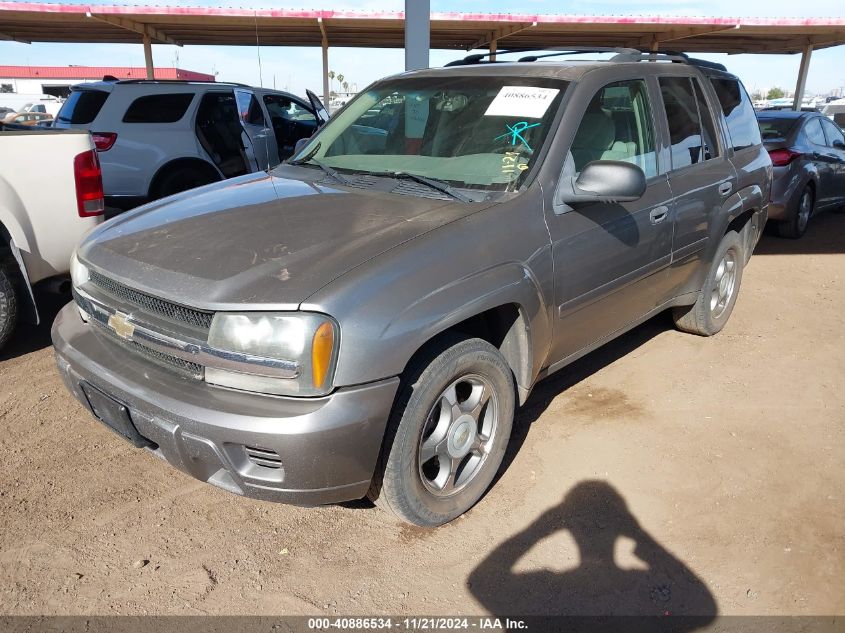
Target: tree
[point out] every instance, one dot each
(346, 86)
(757, 95)
(340, 79)
(775, 93)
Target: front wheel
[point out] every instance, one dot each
(448, 433)
(709, 314)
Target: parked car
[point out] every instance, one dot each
(27, 118)
(157, 138)
(835, 111)
(808, 153)
(41, 225)
(365, 319)
(17, 102)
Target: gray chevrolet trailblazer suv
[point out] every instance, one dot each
(365, 318)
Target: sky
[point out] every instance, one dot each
(295, 69)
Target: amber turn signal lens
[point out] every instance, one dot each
(321, 354)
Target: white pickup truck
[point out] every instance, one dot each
(51, 195)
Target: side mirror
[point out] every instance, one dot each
(300, 144)
(605, 181)
(839, 144)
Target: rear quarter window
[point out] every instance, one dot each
(159, 108)
(82, 106)
(743, 130)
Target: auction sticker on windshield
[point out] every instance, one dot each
(522, 101)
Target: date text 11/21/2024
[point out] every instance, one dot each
(438, 623)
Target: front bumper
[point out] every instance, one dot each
(325, 448)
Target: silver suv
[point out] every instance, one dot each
(366, 318)
(157, 138)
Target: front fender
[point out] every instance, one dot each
(436, 312)
(393, 305)
(14, 218)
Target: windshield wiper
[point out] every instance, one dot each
(434, 183)
(310, 160)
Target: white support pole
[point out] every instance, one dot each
(148, 57)
(494, 45)
(325, 44)
(803, 70)
(417, 33)
(326, 97)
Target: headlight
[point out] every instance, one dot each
(284, 353)
(78, 272)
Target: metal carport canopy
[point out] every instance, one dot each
(43, 22)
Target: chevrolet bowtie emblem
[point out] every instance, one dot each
(121, 326)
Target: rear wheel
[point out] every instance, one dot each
(448, 433)
(718, 295)
(799, 218)
(182, 179)
(8, 300)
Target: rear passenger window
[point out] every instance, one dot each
(833, 133)
(685, 108)
(617, 126)
(161, 108)
(739, 113)
(82, 106)
(814, 132)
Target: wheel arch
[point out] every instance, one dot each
(507, 312)
(177, 164)
(741, 213)
(8, 248)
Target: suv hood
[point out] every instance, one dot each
(257, 241)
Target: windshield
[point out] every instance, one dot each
(473, 132)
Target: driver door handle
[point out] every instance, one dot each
(725, 188)
(658, 214)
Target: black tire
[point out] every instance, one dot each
(181, 179)
(799, 215)
(703, 318)
(403, 484)
(8, 300)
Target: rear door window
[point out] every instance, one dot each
(690, 143)
(82, 106)
(814, 133)
(743, 130)
(833, 133)
(159, 108)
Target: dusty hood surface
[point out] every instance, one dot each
(257, 240)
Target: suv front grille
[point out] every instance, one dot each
(172, 311)
(193, 370)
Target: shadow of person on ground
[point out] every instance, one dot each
(596, 516)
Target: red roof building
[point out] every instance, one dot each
(47, 73)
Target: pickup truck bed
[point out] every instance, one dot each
(48, 201)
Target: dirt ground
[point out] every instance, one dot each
(663, 473)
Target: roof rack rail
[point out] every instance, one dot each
(180, 81)
(622, 55)
(480, 58)
(673, 56)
